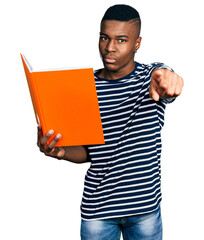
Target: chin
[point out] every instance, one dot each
(111, 67)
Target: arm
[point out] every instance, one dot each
(165, 84)
(76, 154)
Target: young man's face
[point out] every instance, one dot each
(117, 45)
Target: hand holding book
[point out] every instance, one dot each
(50, 149)
(47, 144)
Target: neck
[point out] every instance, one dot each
(113, 75)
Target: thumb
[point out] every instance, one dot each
(60, 153)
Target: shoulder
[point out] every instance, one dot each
(97, 72)
(143, 66)
(145, 70)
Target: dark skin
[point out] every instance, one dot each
(118, 43)
(76, 154)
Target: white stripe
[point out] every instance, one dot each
(124, 181)
(119, 193)
(124, 215)
(114, 94)
(118, 89)
(130, 174)
(119, 149)
(118, 109)
(117, 114)
(126, 169)
(111, 100)
(126, 174)
(133, 133)
(118, 103)
(122, 153)
(120, 199)
(126, 209)
(127, 140)
(114, 121)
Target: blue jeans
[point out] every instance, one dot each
(140, 227)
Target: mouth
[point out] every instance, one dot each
(110, 60)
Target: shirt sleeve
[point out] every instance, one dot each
(162, 66)
(161, 104)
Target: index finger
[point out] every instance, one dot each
(46, 137)
(52, 144)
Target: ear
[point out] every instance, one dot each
(137, 43)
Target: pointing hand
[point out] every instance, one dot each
(165, 84)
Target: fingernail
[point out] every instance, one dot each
(58, 136)
(51, 131)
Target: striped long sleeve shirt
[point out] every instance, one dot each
(124, 176)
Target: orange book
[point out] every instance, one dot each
(66, 101)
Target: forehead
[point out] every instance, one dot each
(113, 27)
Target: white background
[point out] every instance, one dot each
(40, 196)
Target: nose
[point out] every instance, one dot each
(110, 47)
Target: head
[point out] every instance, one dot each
(119, 38)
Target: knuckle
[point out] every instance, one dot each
(42, 148)
(49, 149)
(170, 93)
(47, 135)
(42, 142)
(178, 92)
(163, 85)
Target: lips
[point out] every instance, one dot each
(108, 59)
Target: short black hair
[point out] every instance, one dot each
(121, 12)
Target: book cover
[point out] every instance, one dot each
(66, 101)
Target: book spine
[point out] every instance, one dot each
(38, 105)
(31, 86)
(33, 97)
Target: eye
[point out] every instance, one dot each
(122, 40)
(103, 38)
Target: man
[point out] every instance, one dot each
(122, 186)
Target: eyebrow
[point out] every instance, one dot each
(118, 36)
